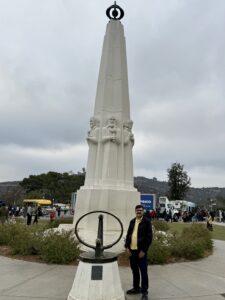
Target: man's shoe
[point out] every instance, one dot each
(144, 292)
(144, 295)
(134, 291)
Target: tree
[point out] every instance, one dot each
(53, 185)
(178, 182)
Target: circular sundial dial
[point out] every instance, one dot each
(99, 247)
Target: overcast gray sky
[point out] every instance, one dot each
(49, 61)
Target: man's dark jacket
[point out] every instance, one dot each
(144, 235)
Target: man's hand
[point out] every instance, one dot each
(141, 254)
(128, 252)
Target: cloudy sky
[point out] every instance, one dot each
(49, 61)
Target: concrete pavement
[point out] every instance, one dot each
(203, 279)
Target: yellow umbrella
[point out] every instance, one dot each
(38, 201)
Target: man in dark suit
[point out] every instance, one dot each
(138, 240)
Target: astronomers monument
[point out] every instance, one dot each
(109, 181)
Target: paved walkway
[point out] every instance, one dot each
(219, 223)
(203, 279)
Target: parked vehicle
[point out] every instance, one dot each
(182, 205)
(164, 205)
(175, 209)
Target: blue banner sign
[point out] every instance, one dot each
(148, 201)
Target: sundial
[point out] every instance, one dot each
(98, 255)
(97, 275)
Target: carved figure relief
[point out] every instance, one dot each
(128, 139)
(92, 139)
(111, 138)
(128, 136)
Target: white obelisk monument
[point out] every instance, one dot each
(109, 183)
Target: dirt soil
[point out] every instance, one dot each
(123, 259)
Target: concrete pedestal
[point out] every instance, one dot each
(86, 288)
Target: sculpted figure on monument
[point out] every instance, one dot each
(128, 139)
(111, 138)
(93, 133)
(111, 133)
(128, 136)
(92, 139)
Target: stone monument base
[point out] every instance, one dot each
(87, 287)
(118, 201)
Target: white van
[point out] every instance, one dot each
(164, 204)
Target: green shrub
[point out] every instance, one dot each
(193, 243)
(184, 248)
(158, 253)
(54, 247)
(160, 250)
(9, 232)
(59, 247)
(4, 235)
(200, 233)
(25, 240)
(160, 225)
(54, 224)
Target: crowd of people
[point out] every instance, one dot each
(199, 215)
(32, 213)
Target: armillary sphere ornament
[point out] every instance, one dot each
(98, 256)
(115, 12)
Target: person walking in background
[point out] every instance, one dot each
(210, 220)
(223, 216)
(220, 215)
(29, 214)
(35, 215)
(138, 240)
(3, 213)
(58, 209)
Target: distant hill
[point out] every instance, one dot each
(10, 191)
(8, 186)
(146, 185)
(197, 195)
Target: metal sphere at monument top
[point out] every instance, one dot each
(115, 12)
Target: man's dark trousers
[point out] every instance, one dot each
(137, 264)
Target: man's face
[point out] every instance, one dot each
(139, 212)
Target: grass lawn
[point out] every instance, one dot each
(217, 234)
(67, 220)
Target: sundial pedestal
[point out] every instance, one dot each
(97, 276)
(96, 281)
